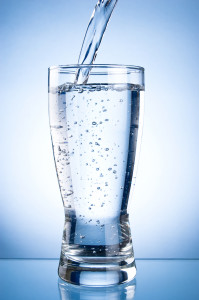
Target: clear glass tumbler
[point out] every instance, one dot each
(96, 129)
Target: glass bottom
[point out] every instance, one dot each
(97, 274)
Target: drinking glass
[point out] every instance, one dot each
(96, 130)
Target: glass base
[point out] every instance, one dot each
(97, 274)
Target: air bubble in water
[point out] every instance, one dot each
(57, 127)
(69, 193)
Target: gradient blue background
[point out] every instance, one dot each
(161, 36)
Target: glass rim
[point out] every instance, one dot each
(99, 66)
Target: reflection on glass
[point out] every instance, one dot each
(118, 292)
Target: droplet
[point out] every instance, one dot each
(106, 149)
(94, 123)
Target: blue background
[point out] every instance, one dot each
(161, 36)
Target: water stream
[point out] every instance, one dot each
(93, 37)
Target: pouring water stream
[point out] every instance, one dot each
(93, 37)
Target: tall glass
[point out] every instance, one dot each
(96, 130)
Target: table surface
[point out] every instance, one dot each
(37, 279)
